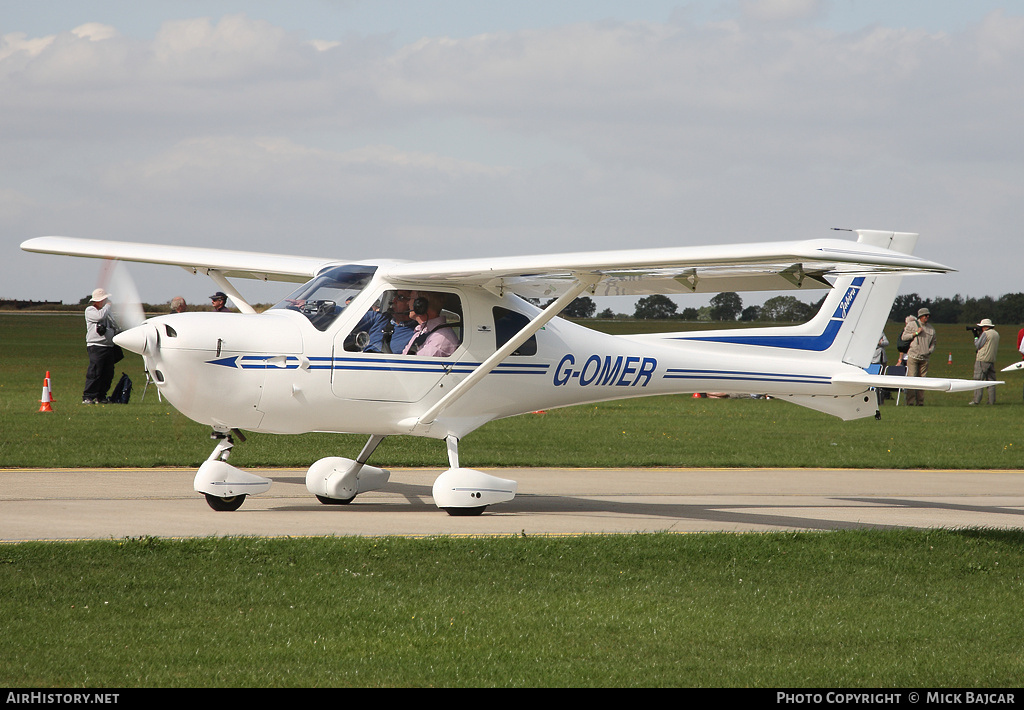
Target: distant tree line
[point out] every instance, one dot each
(1005, 309)
(728, 306)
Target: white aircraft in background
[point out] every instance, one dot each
(303, 365)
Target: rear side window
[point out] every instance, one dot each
(506, 324)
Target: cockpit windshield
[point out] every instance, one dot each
(325, 297)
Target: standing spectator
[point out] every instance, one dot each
(922, 345)
(178, 305)
(987, 343)
(100, 329)
(902, 346)
(1020, 342)
(219, 302)
(881, 359)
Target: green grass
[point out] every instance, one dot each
(657, 431)
(843, 609)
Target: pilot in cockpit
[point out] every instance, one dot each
(434, 335)
(388, 330)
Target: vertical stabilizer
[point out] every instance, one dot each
(877, 293)
(848, 324)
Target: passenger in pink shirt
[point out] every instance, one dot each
(433, 336)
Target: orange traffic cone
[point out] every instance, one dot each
(950, 359)
(44, 402)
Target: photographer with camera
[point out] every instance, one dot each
(921, 337)
(986, 342)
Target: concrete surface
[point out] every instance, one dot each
(77, 504)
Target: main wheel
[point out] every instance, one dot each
(465, 512)
(335, 501)
(229, 503)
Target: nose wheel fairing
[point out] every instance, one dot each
(225, 486)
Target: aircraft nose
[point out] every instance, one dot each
(133, 339)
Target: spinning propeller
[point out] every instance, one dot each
(125, 302)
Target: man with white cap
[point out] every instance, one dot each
(100, 329)
(987, 343)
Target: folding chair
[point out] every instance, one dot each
(897, 371)
(875, 368)
(149, 378)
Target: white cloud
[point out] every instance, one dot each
(18, 43)
(782, 10)
(95, 31)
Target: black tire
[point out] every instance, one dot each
(465, 512)
(335, 501)
(225, 504)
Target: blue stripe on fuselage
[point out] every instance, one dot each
(377, 364)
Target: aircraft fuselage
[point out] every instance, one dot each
(276, 372)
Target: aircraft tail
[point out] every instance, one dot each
(851, 320)
(848, 324)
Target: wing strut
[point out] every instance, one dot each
(225, 285)
(583, 282)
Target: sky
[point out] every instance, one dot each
(448, 128)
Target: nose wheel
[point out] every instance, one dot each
(224, 486)
(221, 453)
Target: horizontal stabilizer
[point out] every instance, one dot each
(894, 382)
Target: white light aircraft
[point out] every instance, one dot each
(312, 362)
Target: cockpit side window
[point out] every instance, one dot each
(324, 298)
(506, 324)
(390, 324)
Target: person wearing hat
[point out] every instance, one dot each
(100, 329)
(987, 343)
(219, 302)
(921, 337)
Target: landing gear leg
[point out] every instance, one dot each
(225, 442)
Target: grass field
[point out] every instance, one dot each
(853, 609)
(909, 609)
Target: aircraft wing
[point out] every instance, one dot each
(767, 266)
(242, 264)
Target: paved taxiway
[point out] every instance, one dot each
(102, 504)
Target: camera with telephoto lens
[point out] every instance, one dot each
(975, 329)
